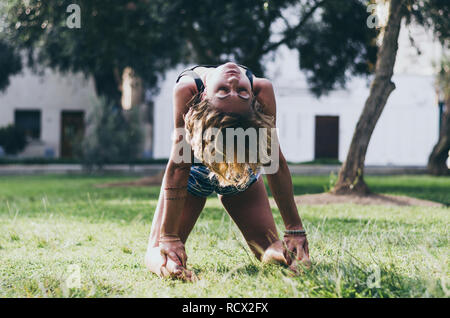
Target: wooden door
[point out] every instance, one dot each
(72, 132)
(327, 137)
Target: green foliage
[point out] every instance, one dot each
(142, 35)
(10, 63)
(331, 182)
(113, 35)
(331, 47)
(48, 223)
(234, 30)
(12, 139)
(336, 45)
(112, 135)
(331, 36)
(433, 15)
(443, 78)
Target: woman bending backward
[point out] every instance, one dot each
(212, 99)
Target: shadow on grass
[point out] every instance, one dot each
(77, 195)
(353, 278)
(436, 193)
(251, 270)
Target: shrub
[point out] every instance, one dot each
(12, 139)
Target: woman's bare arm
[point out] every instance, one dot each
(280, 183)
(175, 182)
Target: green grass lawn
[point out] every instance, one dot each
(53, 226)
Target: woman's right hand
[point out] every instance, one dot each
(175, 259)
(173, 248)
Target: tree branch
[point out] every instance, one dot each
(290, 33)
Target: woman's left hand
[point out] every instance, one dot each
(297, 250)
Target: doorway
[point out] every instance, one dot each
(327, 137)
(72, 132)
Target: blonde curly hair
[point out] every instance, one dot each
(204, 116)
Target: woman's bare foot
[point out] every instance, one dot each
(274, 254)
(154, 262)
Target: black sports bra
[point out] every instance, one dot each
(199, 82)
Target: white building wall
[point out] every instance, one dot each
(405, 133)
(163, 115)
(51, 93)
(408, 127)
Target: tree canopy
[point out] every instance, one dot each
(248, 30)
(152, 36)
(113, 35)
(10, 63)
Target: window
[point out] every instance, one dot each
(29, 121)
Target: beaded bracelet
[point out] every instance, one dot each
(295, 232)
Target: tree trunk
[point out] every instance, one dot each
(107, 84)
(132, 89)
(351, 175)
(133, 95)
(437, 162)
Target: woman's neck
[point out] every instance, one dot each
(204, 71)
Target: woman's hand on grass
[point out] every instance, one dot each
(163, 266)
(297, 251)
(174, 260)
(172, 270)
(173, 249)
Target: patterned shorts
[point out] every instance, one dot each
(201, 185)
